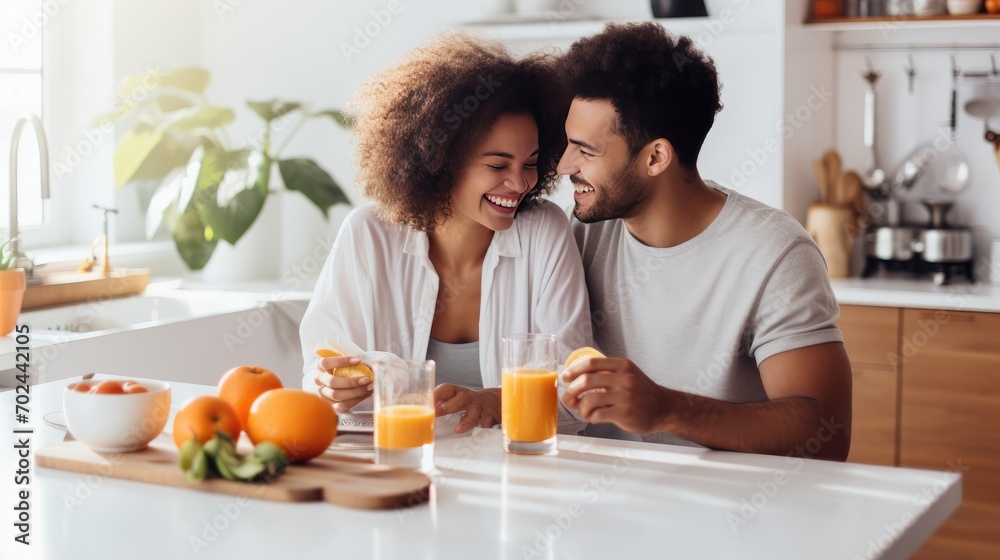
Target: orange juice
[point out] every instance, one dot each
(529, 403)
(404, 426)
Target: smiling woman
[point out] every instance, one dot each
(455, 145)
(419, 121)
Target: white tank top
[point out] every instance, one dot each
(457, 364)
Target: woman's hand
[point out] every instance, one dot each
(345, 392)
(482, 407)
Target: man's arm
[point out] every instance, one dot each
(808, 412)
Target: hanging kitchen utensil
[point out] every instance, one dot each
(912, 167)
(911, 72)
(954, 167)
(985, 105)
(874, 177)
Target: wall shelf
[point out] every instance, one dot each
(544, 28)
(902, 22)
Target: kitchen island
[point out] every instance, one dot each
(595, 499)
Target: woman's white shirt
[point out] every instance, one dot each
(379, 290)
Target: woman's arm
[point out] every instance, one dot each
(342, 308)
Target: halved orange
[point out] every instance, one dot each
(348, 371)
(584, 352)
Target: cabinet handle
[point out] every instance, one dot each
(952, 316)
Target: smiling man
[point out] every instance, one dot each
(719, 306)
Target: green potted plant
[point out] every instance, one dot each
(205, 188)
(12, 286)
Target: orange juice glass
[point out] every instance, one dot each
(529, 402)
(404, 413)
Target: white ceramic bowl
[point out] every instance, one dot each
(117, 423)
(964, 7)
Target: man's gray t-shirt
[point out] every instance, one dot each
(700, 317)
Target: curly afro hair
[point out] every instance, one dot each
(416, 123)
(661, 85)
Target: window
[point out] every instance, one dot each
(21, 24)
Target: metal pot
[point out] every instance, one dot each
(891, 243)
(944, 245)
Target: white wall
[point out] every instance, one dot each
(809, 107)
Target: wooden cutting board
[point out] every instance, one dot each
(346, 481)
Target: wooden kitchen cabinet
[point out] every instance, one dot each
(871, 336)
(873, 429)
(950, 419)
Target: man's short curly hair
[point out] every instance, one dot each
(416, 123)
(661, 85)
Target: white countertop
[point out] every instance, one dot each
(596, 499)
(920, 294)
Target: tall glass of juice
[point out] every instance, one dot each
(404, 414)
(529, 405)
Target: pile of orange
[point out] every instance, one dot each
(241, 386)
(253, 400)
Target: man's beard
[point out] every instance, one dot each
(617, 198)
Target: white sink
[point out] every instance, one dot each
(103, 317)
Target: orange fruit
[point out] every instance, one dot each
(108, 388)
(584, 352)
(303, 424)
(82, 387)
(201, 417)
(241, 386)
(348, 371)
(135, 388)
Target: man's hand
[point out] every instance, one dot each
(808, 406)
(482, 407)
(345, 392)
(616, 391)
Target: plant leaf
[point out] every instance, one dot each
(189, 237)
(118, 113)
(163, 206)
(232, 187)
(189, 182)
(305, 176)
(168, 102)
(193, 79)
(133, 149)
(6, 257)
(337, 116)
(135, 83)
(172, 152)
(206, 116)
(270, 110)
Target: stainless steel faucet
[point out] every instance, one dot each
(20, 259)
